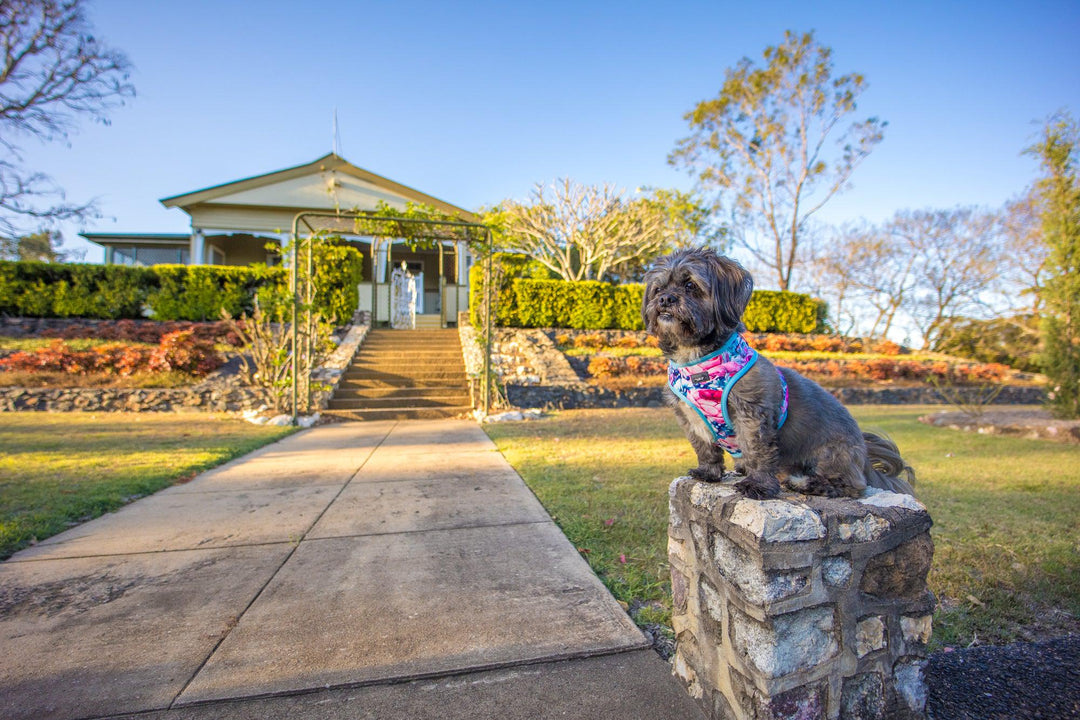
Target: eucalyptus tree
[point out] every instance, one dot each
(776, 144)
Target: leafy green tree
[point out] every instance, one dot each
(775, 148)
(1058, 201)
(41, 246)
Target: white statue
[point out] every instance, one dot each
(402, 299)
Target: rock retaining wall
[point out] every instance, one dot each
(130, 400)
(800, 607)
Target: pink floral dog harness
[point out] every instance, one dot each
(704, 385)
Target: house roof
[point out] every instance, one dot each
(137, 238)
(314, 185)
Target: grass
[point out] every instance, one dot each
(29, 344)
(51, 379)
(1006, 512)
(59, 469)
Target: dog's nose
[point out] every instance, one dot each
(666, 299)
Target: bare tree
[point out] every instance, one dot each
(957, 256)
(1026, 269)
(583, 232)
(53, 72)
(774, 143)
(866, 267)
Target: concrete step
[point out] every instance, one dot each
(433, 332)
(424, 322)
(400, 413)
(404, 375)
(417, 368)
(403, 395)
(397, 382)
(403, 355)
(433, 345)
(396, 403)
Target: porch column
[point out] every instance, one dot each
(198, 247)
(462, 263)
(109, 255)
(382, 260)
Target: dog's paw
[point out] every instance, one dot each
(829, 487)
(759, 486)
(704, 474)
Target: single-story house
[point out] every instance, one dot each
(232, 223)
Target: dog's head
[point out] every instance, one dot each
(695, 299)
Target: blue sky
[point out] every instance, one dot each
(473, 102)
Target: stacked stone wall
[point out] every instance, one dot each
(800, 607)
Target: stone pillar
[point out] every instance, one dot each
(800, 607)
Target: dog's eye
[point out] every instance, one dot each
(689, 285)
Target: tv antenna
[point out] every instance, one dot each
(337, 136)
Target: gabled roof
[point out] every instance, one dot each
(241, 191)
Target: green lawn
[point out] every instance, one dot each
(58, 469)
(34, 343)
(1006, 512)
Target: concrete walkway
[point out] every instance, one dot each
(363, 570)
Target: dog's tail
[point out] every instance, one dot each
(885, 469)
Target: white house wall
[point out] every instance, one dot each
(328, 191)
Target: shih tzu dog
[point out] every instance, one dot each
(780, 427)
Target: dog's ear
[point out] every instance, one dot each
(732, 287)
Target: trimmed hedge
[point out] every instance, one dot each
(170, 292)
(778, 311)
(200, 292)
(39, 289)
(530, 302)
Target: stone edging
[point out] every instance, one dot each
(583, 395)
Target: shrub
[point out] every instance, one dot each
(603, 366)
(506, 267)
(776, 311)
(628, 300)
(172, 292)
(181, 351)
(886, 347)
(338, 275)
(37, 289)
(1013, 341)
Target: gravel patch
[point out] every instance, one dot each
(1022, 681)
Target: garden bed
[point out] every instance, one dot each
(136, 365)
(559, 368)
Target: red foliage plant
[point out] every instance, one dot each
(145, 331)
(179, 351)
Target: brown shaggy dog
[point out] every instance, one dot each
(787, 428)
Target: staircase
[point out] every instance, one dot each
(404, 375)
